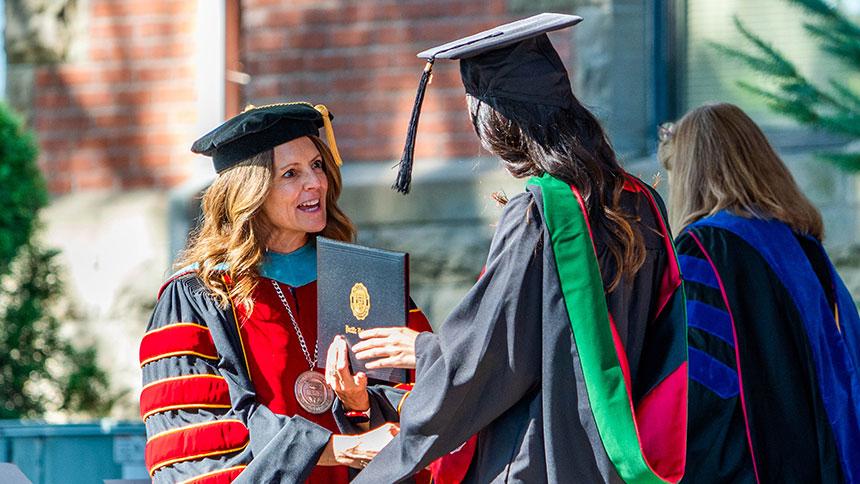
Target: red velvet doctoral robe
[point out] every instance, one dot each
(218, 398)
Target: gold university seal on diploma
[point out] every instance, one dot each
(359, 301)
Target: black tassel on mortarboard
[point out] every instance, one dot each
(404, 175)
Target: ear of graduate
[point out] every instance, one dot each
(513, 68)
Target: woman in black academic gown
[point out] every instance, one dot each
(774, 334)
(568, 357)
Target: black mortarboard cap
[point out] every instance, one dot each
(513, 68)
(261, 128)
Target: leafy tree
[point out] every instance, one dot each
(834, 107)
(40, 368)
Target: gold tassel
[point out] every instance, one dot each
(329, 133)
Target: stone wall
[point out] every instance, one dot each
(113, 246)
(837, 195)
(43, 31)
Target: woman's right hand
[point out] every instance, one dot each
(350, 389)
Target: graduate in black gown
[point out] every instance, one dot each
(774, 334)
(568, 357)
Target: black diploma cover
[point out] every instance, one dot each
(359, 288)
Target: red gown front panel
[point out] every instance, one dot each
(275, 357)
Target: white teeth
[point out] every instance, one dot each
(310, 203)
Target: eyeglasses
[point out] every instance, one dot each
(666, 131)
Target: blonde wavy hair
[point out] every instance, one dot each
(719, 159)
(230, 241)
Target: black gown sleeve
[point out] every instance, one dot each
(384, 407)
(485, 357)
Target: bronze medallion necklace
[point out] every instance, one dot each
(312, 392)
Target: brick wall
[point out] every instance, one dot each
(359, 59)
(122, 113)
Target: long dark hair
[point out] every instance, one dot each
(569, 145)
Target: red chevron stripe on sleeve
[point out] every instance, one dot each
(177, 339)
(191, 391)
(222, 476)
(193, 442)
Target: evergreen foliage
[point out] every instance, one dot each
(23, 190)
(834, 107)
(41, 369)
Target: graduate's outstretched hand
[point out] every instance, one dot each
(387, 347)
(350, 389)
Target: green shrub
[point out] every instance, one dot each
(41, 369)
(22, 188)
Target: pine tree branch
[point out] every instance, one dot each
(837, 44)
(849, 162)
(802, 90)
(850, 99)
(778, 65)
(829, 15)
(758, 63)
(845, 123)
(814, 6)
(782, 104)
